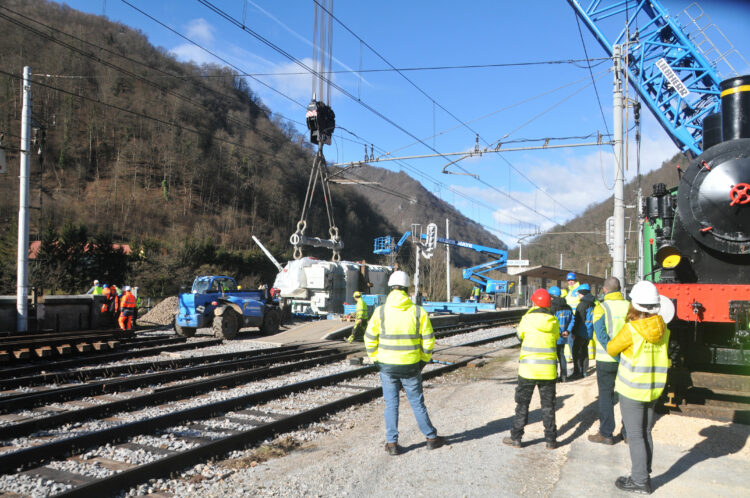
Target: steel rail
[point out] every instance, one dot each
(242, 440)
(100, 358)
(61, 376)
(157, 397)
(27, 457)
(32, 399)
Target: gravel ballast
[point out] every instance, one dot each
(473, 408)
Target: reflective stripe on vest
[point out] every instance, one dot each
(391, 346)
(644, 376)
(615, 313)
(538, 358)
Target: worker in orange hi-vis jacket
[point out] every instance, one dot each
(128, 306)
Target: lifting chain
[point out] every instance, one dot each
(298, 239)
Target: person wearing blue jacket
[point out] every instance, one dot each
(566, 319)
(583, 331)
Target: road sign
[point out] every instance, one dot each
(517, 262)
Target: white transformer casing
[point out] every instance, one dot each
(318, 287)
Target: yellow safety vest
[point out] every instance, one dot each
(615, 314)
(644, 376)
(573, 298)
(399, 333)
(539, 333)
(362, 310)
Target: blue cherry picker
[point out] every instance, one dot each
(492, 291)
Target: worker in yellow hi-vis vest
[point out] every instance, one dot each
(641, 377)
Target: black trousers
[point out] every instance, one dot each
(524, 391)
(561, 362)
(580, 355)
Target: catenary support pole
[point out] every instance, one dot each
(618, 263)
(22, 284)
(447, 264)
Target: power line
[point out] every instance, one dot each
(598, 61)
(140, 114)
(432, 100)
(211, 53)
(345, 92)
(586, 53)
(120, 69)
(125, 71)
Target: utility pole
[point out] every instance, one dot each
(22, 282)
(447, 264)
(618, 256)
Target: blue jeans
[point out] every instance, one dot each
(413, 388)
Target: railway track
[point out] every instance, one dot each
(108, 428)
(36, 347)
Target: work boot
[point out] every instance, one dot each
(392, 449)
(598, 438)
(435, 443)
(516, 443)
(627, 484)
(551, 445)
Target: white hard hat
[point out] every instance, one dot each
(96, 282)
(645, 297)
(666, 310)
(399, 278)
(126, 288)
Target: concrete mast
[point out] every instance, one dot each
(618, 256)
(22, 283)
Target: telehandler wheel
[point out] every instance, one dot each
(226, 325)
(184, 331)
(271, 321)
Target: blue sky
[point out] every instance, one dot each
(508, 103)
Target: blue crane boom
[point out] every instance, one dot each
(478, 273)
(670, 73)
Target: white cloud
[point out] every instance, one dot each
(297, 86)
(574, 182)
(200, 30)
(190, 52)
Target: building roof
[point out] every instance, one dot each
(552, 273)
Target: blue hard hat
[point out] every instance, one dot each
(570, 276)
(554, 291)
(585, 287)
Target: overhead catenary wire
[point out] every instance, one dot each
(599, 61)
(275, 47)
(344, 92)
(146, 116)
(586, 53)
(141, 114)
(135, 61)
(463, 123)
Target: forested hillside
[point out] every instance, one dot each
(182, 162)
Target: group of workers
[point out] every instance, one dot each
(631, 341)
(122, 305)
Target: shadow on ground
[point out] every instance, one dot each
(720, 441)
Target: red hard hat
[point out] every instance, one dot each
(541, 298)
